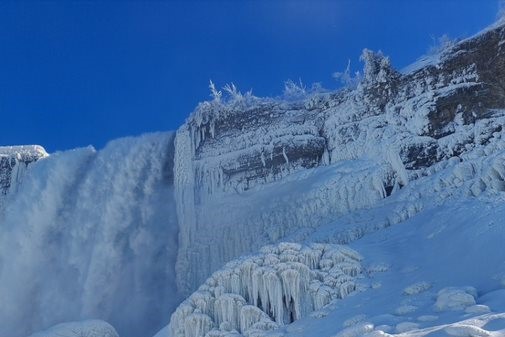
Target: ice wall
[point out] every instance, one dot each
(92, 235)
(229, 225)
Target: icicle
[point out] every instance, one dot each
(212, 128)
(197, 325)
(273, 290)
(227, 309)
(396, 163)
(250, 315)
(285, 156)
(281, 284)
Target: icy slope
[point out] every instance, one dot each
(92, 235)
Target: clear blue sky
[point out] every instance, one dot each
(80, 73)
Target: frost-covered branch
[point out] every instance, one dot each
(293, 90)
(345, 77)
(214, 93)
(233, 92)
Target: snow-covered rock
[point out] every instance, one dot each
(455, 298)
(416, 288)
(14, 161)
(90, 328)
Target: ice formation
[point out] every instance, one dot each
(255, 294)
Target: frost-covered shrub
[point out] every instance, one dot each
(294, 91)
(347, 79)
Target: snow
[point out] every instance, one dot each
(90, 328)
(417, 288)
(455, 299)
(21, 151)
(446, 305)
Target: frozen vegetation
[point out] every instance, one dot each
(390, 194)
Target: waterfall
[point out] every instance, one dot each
(92, 234)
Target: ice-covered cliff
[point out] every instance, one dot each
(251, 171)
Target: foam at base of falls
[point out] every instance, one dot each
(259, 293)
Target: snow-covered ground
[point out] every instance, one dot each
(91, 328)
(437, 269)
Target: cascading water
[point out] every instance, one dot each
(92, 235)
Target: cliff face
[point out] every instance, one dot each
(233, 159)
(251, 138)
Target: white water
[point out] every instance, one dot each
(92, 235)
